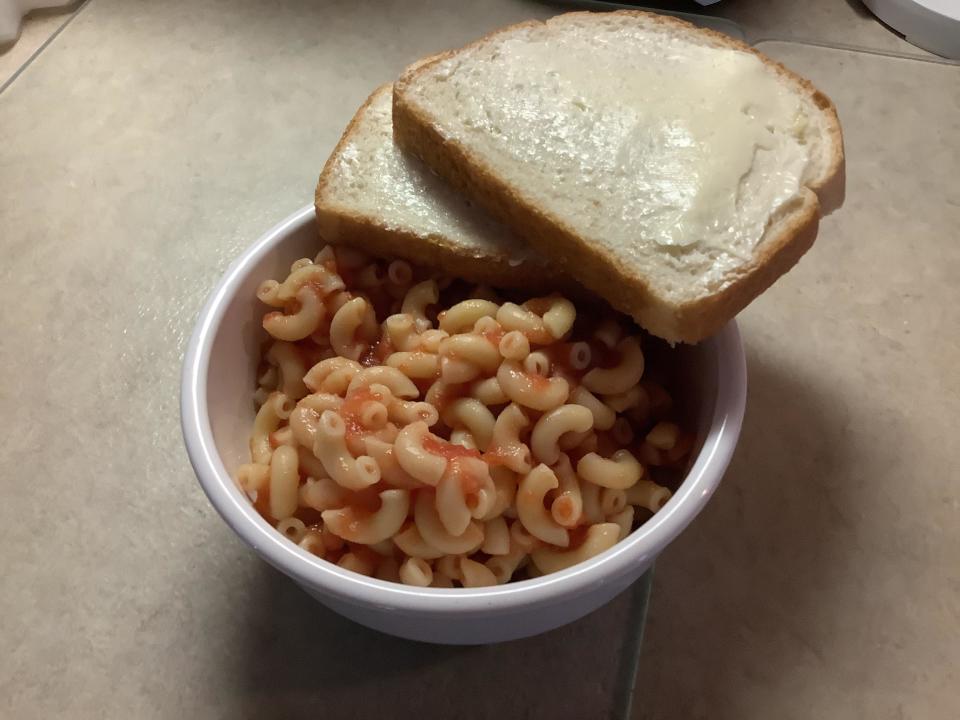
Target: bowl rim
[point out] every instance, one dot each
(641, 545)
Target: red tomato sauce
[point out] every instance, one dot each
(469, 482)
(494, 335)
(448, 450)
(539, 383)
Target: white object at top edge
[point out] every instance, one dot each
(12, 13)
(933, 25)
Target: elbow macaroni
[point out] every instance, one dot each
(497, 441)
(603, 416)
(474, 574)
(505, 444)
(284, 483)
(531, 511)
(330, 447)
(275, 410)
(545, 438)
(370, 528)
(436, 535)
(531, 390)
(559, 317)
(626, 374)
(465, 492)
(464, 315)
(416, 301)
(395, 381)
(417, 364)
(420, 463)
(474, 416)
(567, 506)
(332, 375)
(620, 471)
(301, 323)
(290, 369)
(344, 328)
(600, 537)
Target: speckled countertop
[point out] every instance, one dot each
(151, 142)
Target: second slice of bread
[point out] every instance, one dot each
(584, 134)
(373, 197)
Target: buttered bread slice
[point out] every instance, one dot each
(672, 170)
(371, 196)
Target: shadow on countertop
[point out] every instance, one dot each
(762, 561)
(292, 656)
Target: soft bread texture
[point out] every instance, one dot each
(375, 198)
(553, 128)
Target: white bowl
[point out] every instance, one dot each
(217, 412)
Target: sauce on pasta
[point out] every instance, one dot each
(351, 409)
(494, 335)
(448, 450)
(392, 488)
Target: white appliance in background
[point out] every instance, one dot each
(933, 25)
(12, 12)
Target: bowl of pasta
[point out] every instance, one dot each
(441, 461)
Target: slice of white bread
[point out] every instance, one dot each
(674, 171)
(375, 198)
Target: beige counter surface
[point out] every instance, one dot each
(151, 142)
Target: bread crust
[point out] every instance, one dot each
(782, 245)
(341, 225)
